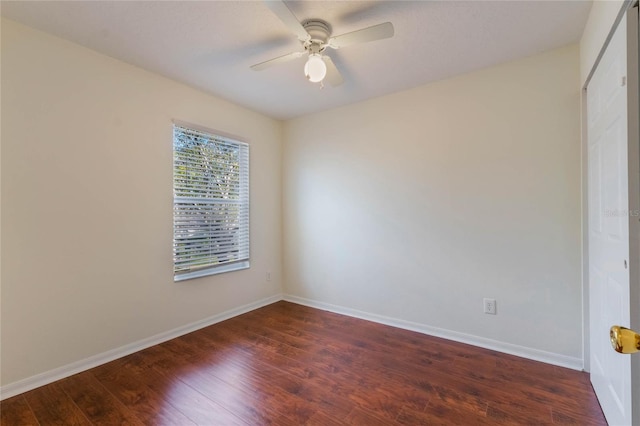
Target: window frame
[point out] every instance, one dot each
(225, 266)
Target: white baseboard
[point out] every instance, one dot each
(50, 376)
(508, 348)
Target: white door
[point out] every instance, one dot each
(609, 227)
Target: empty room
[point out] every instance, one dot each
(319, 212)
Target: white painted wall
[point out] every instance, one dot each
(87, 204)
(417, 205)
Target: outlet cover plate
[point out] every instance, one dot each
(489, 306)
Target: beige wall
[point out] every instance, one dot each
(87, 204)
(417, 205)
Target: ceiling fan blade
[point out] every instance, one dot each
(276, 61)
(280, 9)
(364, 35)
(333, 76)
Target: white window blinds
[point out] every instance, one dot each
(210, 204)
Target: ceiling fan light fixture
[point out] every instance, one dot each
(315, 69)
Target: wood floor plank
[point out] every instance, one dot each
(277, 389)
(95, 401)
(245, 405)
(290, 363)
(342, 378)
(442, 414)
(148, 406)
(16, 411)
(287, 364)
(52, 406)
(512, 416)
(579, 419)
(182, 397)
(359, 416)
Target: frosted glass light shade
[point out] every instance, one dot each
(315, 69)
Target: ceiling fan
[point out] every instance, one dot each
(315, 36)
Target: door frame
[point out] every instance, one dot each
(633, 108)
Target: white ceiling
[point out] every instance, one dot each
(211, 44)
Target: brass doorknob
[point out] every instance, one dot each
(624, 340)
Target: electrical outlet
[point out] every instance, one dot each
(268, 276)
(490, 306)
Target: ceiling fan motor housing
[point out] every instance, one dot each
(319, 31)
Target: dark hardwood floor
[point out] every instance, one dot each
(287, 364)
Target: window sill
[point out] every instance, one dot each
(212, 271)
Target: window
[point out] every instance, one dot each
(210, 203)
